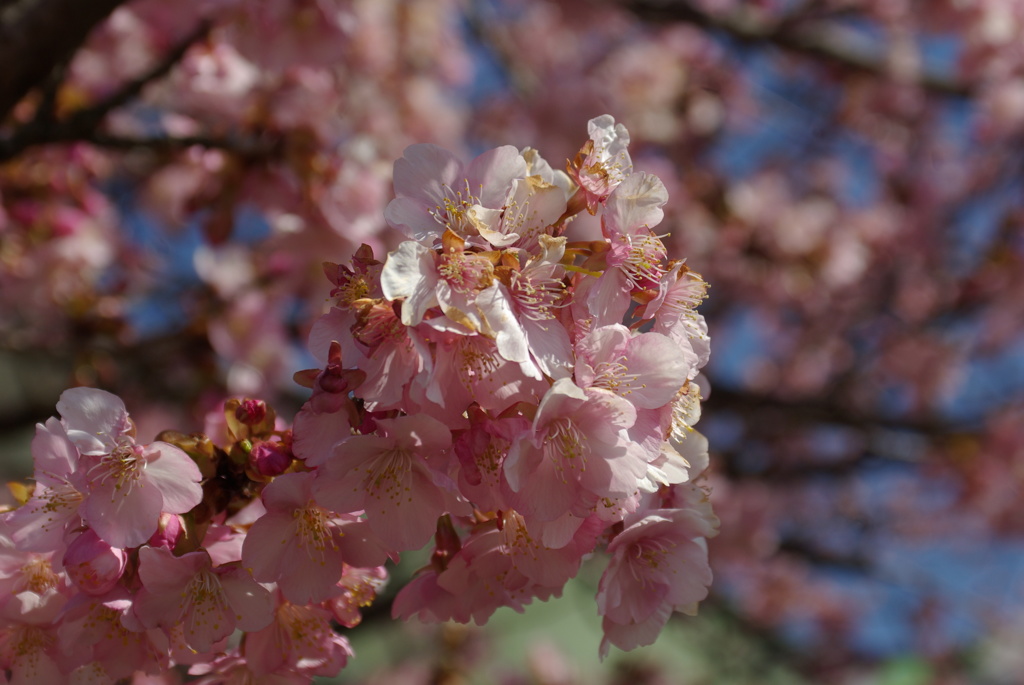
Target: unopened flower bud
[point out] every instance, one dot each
(251, 412)
(93, 565)
(333, 379)
(168, 531)
(269, 458)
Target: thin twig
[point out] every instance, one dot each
(821, 410)
(822, 43)
(92, 116)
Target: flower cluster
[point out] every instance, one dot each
(521, 399)
(128, 558)
(524, 399)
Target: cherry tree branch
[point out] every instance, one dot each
(249, 148)
(823, 410)
(822, 43)
(38, 35)
(82, 125)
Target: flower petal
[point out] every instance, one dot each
(175, 475)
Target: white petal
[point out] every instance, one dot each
(636, 203)
(410, 274)
(496, 306)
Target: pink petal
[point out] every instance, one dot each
(508, 333)
(334, 325)
(411, 217)
(93, 411)
(633, 635)
(263, 549)
(491, 174)
(410, 273)
(39, 524)
(253, 603)
(422, 171)
(161, 571)
(288, 491)
(122, 518)
(560, 400)
(316, 434)
(310, 576)
(55, 456)
(360, 546)
(550, 346)
(609, 297)
(419, 432)
(403, 511)
(175, 475)
(208, 620)
(661, 366)
(636, 203)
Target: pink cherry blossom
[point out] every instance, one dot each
(394, 355)
(210, 602)
(392, 476)
(481, 450)
(535, 204)
(32, 590)
(296, 543)
(329, 414)
(543, 565)
(435, 193)
(299, 638)
(527, 400)
(659, 565)
(127, 486)
(359, 588)
(31, 654)
(40, 523)
(535, 295)
(674, 311)
(578, 451)
(423, 279)
(93, 565)
(470, 368)
(603, 162)
(646, 369)
(636, 256)
(471, 585)
(94, 632)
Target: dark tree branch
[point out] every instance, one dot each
(38, 35)
(83, 124)
(819, 557)
(822, 43)
(825, 411)
(731, 463)
(94, 115)
(249, 148)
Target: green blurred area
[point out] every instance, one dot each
(556, 643)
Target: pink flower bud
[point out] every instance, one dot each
(269, 458)
(251, 412)
(337, 379)
(93, 565)
(167, 532)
